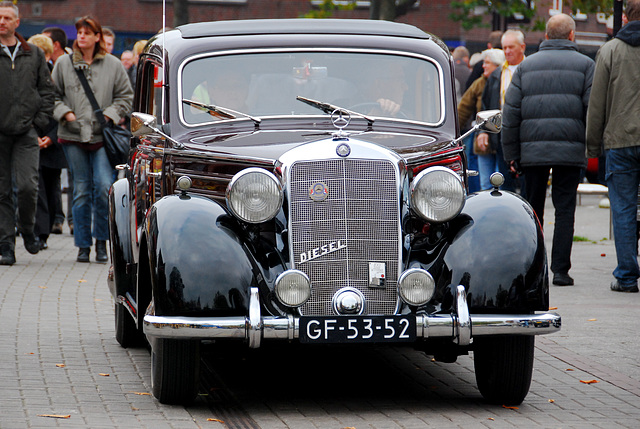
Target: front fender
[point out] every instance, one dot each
(119, 238)
(499, 255)
(198, 265)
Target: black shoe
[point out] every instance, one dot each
(617, 287)
(101, 251)
(31, 243)
(56, 228)
(8, 256)
(562, 279)
(83, 254)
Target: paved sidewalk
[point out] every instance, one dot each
(59, 358)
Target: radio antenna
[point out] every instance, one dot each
(162, 84)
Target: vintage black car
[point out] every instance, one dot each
(303, 181)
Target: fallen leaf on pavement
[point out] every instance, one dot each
(215, 420)
(551, 401)
(589, 381)
(141, 393)
(491, 418)
(60, 365)
(569, 369)
(82, 281)
(510, 408)
(104, 374)
(553, 308)
(42, 287)
(55, 416)
(603, 254)
(592, 320)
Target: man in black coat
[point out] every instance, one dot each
(27, 95)
(544, 121)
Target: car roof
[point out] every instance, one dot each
(301, 26)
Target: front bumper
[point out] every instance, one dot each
(461, 327)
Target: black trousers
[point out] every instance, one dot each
(564, 187)
(49, 201)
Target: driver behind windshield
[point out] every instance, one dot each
(384, 90)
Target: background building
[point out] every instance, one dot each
(133, 20)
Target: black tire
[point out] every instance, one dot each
(127, 333)
(175, 370)
(504, 366)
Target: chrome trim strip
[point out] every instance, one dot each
(287, 328)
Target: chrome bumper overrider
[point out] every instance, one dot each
(460, 327)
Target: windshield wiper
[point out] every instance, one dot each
(220, 112)
(330, 108)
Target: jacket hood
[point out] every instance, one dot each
(558, 44)
(630, 33)
(79, 62)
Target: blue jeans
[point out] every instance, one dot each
(92, 178)
(489, 164)
(623, 177)
(472, 160)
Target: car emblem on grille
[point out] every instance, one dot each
(318, 191)
(343, 150)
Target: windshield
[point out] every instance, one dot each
(267, 84)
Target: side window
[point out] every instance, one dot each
(149, 87)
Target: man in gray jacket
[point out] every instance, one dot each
(27, 95)
(613, 120)
(544, 128)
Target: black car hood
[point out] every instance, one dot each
(271, 145)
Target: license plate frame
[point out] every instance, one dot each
(358, 329)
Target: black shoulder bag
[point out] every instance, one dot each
(117, 140)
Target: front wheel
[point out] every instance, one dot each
(175, 371)
(504, 366)
(127, 333)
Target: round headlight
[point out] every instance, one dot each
(293, 288)
(437, 194)
(254, 195)
(416, 286)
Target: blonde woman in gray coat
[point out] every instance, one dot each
(80, 132)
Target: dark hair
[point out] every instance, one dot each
(495, 38)
(633, 10)
(57, 34)
(94, 26)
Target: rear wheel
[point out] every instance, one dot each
(504, 366)
(175, 371)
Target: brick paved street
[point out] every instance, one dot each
(59, 357)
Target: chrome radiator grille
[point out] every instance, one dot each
(358, 223)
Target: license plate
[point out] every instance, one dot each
(357, 329)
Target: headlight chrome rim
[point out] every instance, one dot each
(437, 194)
(407, 286)
(284, 284)
(254, 195)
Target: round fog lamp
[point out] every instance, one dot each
(416, 286)
(293, 288)
(254, 195)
